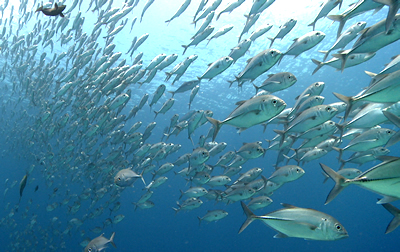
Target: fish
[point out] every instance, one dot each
(346, 37)
(223, 30)
(231, 7)
(277, 82)
(100, 243)
(251, 112)
(181, 9)
(383, 179)
(292, 221)
(22, 185)
(146, 6)
(213, 215)
(55, 11)
(200, 37)
(216, 68)
(304, 43)
(284, 30)
(327, 7)
(385, 90)
(286, 174)
(258, 65)
(126, 177)
(396, 217)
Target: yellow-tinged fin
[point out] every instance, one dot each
(339, 182)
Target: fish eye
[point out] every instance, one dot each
(119, 179)
(274, 101)
(338, 227)
(389, 131)
(318, 33)
(89, 249)
(328, 109)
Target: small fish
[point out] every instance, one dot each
(55, 11)
(214, 215)
(100, 243)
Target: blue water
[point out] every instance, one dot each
(33, 228)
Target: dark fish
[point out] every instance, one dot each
(22, 185)
(55, 11)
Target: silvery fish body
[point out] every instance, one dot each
(299, 222)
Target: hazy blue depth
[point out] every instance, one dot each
(159, 228)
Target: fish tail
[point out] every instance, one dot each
(182, 193)
(217, 125)
(171, 92)
(341, 128)
(272, 41)
(326, 54)
(141, 176)
(168, 76)
(326, 177)
(348, 100)
(343, 57)
(313, 24)
(395, 222)
(340, 152)
(250, 217)
(199, 220)
(155, 112)
(282, 134)
(186, 47)
(176, 210)
(396, 121)
(257, 88)
(112, 240)
(340, 182)
(340, 19)
(219, 15)
(319, 65)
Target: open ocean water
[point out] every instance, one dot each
(41, 221)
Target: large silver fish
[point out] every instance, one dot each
(251, 112)
(299, 222)
(383, 179)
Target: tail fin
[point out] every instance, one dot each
(199, 220)
(319, 65)
(217, 125)
(250, 217)
(348, 100)
(313, 24)
(272, 41)
(186, 47)
(343, 57)
(112, 240)
(168, 76)
(396, 121)
(341, 20)
(326, 54)
(257, 88)
(396, 217)
(339, 180)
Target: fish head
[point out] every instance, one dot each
(270, 103)
(334, 229)
(290, 78)
(318, 36)
(359, 26)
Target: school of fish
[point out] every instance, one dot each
(73, 114)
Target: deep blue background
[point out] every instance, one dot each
(159, 228)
